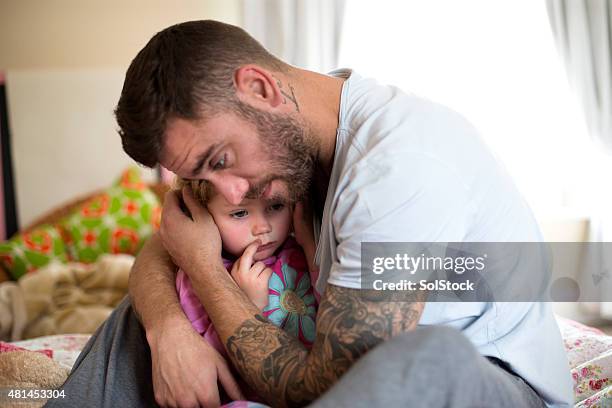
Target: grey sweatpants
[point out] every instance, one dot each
(428, 367)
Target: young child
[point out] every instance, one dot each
(288, 299)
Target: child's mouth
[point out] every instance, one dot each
(267, 246)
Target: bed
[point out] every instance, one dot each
(589, 353)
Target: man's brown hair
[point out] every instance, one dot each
(184, 71)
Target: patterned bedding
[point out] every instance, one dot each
(64, 348)
(589, 352)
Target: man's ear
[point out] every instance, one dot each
(257, 87)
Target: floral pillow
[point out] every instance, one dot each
(119, 220)
(27, 252)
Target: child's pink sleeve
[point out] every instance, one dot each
(195, 312)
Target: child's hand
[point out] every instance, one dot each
(252, 278)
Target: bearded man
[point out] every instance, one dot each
(207, 101)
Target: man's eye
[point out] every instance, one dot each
(277, 207)
(220, 164)
(240, 214)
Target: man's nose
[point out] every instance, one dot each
(232, 188)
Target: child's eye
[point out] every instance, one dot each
(220, 164)
(277, 207)
(240, 214)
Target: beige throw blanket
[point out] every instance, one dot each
(63, 298)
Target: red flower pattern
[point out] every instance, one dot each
(156, 217)
(90, 238)
(131, 207)
(97, 207)
(596, 385)
(121, 235)
(39, 241)
(7, 259)
(128, 182)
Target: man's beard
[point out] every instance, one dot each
(291, 149)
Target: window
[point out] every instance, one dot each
(495, 62)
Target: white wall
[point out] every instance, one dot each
(93, 33)
(566, 229)
(63, 135)
(65, 62)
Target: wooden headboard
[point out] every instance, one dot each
(56, 214)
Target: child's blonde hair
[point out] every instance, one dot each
(202, 189)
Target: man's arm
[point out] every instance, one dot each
(185, 369)
(151, 286)
(349, 323)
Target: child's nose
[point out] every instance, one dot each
(261, 226)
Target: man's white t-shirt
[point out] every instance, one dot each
(409, 170)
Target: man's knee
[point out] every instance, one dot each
(413, 358)
(125, 304)
(124, 310)
(122, 322)
(432, 343)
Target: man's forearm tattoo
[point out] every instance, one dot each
(349, 323)
(291, 96)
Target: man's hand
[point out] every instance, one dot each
(302, 225)
(252, 278)
(189, 240)
(186, 369)
(304, 235)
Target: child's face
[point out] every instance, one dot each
(239, 225)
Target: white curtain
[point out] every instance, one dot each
(598, 261)
(583, 33)
(305, 33)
